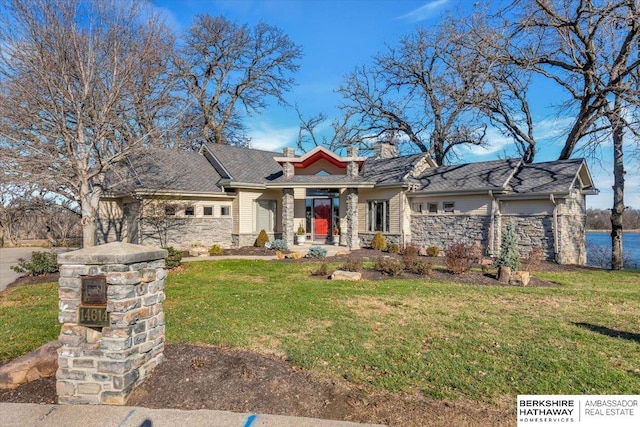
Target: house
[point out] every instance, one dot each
(226, 194)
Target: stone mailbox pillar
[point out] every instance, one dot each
(112, 331)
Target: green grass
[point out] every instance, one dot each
(28, 319)
(444, 340)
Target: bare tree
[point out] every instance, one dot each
(590, 49)
(228, 70)
(418, 92)
(311, 133)
(82, 84)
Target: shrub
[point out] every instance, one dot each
(389, 265)
(317, 252)
(393, 248)
(420, 266)
(262, 239)
(433, 251)
(279, 245)
(410, 251)
(323, 270)
(379, 242)
(458, 258)
(39, 264)
(352, 265)
(536, 256)
(509, 253)
(174, 259)
(216, 250)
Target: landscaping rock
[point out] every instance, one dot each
(422, 252)
(198, 251)
(520, 278)
(353, 276)
(40, 363)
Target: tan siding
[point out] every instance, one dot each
(394, 197)
(469, 205)
(321, 165)
(526, 207)
(235, 211)
(299, 193)
(247, 208)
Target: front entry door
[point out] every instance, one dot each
(321, 219)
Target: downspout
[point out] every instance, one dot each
(555, 227)
(492, 225)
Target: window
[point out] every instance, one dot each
(417, 207)
(225, 210)
(432, 208)
(207, 211)
(266, 215)
(189, 211)
(169, 210)
(448, 207)
(378, 215)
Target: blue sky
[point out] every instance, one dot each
(338, 35)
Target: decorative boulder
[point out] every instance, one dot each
(41, 363)
(353, 276)
(520, 278)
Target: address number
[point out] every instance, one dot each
(93, 316)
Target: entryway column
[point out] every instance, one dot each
(352, 238)
(287, 216)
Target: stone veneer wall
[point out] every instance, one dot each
(534, 231)
(366, 238)
(443, 230)
(572, 222)
(249, 239)
(104, 365)
(187, 231)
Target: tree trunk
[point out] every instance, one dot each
(89, 201)
(617, 260)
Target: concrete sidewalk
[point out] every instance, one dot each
(31, 414)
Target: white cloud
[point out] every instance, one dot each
(265, 137)
(424, 12)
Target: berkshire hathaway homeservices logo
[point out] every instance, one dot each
(580, 410)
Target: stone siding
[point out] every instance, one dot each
(366, 238)
(534, 231)
(249, 239)
(103, 365)
(572, 240)
(183, 233)
(444, 230)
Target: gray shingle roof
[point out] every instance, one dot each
(246, 165)
(165, 170)
(492, 175)
(389, 171)
(547, 177)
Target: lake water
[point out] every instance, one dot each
(599, 249)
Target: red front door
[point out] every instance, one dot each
(321, 219)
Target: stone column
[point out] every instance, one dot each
(353, 168)
(287, 216)
(113, 330)
(352, 238)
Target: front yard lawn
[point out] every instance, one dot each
(442, 339)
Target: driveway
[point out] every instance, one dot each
(9, 257)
